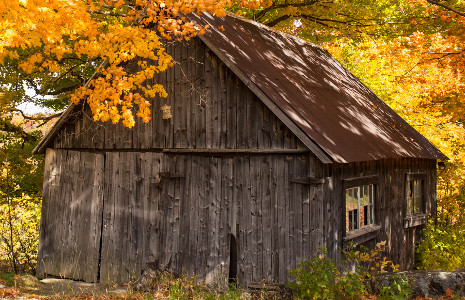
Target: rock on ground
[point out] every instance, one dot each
(426, 283)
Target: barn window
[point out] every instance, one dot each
(414, 196)
(415, 200)
(359, 198)
(359, 206)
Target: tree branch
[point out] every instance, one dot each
(40, 118)
(277, 20)
(446, 7)
(5, 125)
(284, 5)
(106, 13)
(62, 90)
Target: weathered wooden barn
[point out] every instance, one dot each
(266, 149)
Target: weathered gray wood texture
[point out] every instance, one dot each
(134, 202)
(183, 222)
(390, 205)
(71, 215)
(210, 106)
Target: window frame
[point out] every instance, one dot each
(366, 232)
(414, 218)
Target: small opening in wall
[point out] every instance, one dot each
(232, 259)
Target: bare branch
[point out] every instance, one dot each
(106, 13)
(284, 5)
(8, 127)
(446, 7)
(38, 118)
(277, 20)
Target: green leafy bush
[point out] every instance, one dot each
(442, 247)
(20, 241)
(319, 278)
(399, 289)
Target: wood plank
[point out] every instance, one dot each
(194, 214)
(282, 220)
(158, 124)
(292, 214)
(275, 226)
(204, 217)
(178, 166)
(200, 102)
(253, 107)
(181, 80)
(231, 125)
(306, 211)
(228, 220)
(241, 115)
(211, 62)
(240, 195)
(213, 205)
(254, 230)
(210, 101)
(123, 213)
(222, 98)
(185, 207)
(263, 138)
(111, 234)
(266, 211)
(277, 129)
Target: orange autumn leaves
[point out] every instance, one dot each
(41, 36)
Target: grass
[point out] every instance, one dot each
(165, 286)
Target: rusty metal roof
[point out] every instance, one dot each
(346, 120)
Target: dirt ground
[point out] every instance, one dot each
(29, 287)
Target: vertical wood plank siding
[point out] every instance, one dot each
(182, 223)
(194, 216)
(210, 106)
(71, 215)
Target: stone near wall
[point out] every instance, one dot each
(426, 283)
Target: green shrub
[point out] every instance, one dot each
(399, 289)
(319, 278)
(442, 247)
(24, 232)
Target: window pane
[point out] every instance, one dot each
(410, 193)
(363, 203)
(347, 221)
(359, 206)
(417, 195)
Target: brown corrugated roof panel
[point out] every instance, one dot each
(330, 105)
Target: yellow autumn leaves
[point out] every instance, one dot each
(44, 36)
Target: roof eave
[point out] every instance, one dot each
(48, 138)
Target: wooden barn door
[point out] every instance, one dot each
(71, 215)
(132, 215)
(168, 212)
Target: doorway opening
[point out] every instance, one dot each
(232, 259)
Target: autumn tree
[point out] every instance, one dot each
(55, 47)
